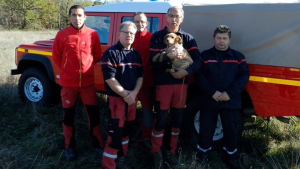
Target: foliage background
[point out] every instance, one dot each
(38, 14)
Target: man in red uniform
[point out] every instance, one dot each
(75, 51)
(147, 93)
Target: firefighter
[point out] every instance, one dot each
(221, 79)
(76, 49)
(147, 93)
(123, 74)
(171, 88)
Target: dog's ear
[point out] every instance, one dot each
(165, 39)
(179, 40)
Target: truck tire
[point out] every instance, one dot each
(35, 86)
(190, 125)
(219, 129)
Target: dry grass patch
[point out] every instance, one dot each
(9, 40)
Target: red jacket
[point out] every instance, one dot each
(75, 52)
(142, 45)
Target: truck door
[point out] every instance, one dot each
(103, 24)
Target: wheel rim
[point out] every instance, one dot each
(33, 89)
(219, 129)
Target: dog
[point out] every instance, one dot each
(174, 42)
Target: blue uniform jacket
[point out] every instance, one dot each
(229, 74)
(123, 65)
(161, 77)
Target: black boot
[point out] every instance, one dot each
(232, 160)
(201, 157)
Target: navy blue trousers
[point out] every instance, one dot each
(208, 122)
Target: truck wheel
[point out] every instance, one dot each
(219, 129)
(191, 124)
(34, 86)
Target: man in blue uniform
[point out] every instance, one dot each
(123, 74)
(171, 88)
(221, 79)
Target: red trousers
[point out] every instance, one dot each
(118, 134)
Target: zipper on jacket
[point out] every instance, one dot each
(66, 60)
(79, 50)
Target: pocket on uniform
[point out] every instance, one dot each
(63, 93)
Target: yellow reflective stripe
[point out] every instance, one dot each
(274, 80)
(35, 52)
(21, 50)
(40, 52)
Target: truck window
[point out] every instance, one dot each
(152, 26)
(100, 24)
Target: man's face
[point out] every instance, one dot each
(222, 41)
(127, 35)
(140, 22)
(174, 18)
(77, 17)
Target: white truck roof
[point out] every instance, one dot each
(146, 7)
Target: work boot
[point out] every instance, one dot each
(201, 157)
(158, 160)
(234, 164)
(121, 163)
(231, 160)
(170, 158)
(69, 154)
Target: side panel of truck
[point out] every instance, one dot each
(268, 36)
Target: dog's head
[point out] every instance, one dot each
(172, 38)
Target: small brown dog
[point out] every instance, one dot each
(174, 42)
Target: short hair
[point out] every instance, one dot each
(127, 23)
(76, 7)
(138, 13)
(222, 29)
(176, 7)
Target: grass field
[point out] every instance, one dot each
(31, 136)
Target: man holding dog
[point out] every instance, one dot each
(171, 88)
(147, 93)
(221, 79)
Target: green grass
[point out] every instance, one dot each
(31, 137)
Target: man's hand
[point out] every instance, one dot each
(179, 73)
(217, 95)
(130, 98)
(224, 97)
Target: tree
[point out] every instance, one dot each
(37, 14)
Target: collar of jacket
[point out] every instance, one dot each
(74, 30)
(143, 33)
(121, 47)
(179, 30)
(228, 51)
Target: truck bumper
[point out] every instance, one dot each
(14, 72)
